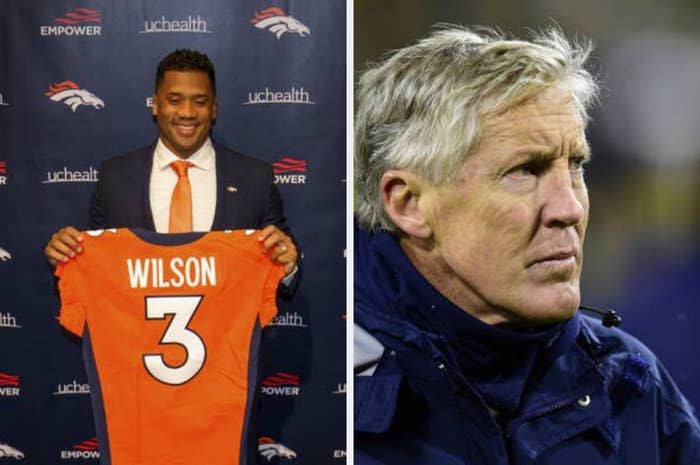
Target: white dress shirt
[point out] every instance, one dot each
(202, 178)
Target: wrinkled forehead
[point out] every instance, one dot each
(549, 118)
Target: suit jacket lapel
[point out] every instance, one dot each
(141, 177)
(228, 206)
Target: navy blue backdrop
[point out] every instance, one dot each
(75, 83)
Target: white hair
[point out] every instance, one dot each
(422, 107)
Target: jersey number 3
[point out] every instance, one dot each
(182, 308)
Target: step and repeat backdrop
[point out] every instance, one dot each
(76, 80)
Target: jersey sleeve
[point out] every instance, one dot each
(72, 289)
(268, 308)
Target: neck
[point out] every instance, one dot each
(424, 255)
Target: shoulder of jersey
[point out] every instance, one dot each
(240, 232)
(100, 232)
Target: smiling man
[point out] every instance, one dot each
(185, 182)
(472, 210)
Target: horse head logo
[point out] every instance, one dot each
(276, 21)
(11, 452)
(268, 448)
(72, 95)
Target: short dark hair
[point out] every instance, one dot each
(186, 60)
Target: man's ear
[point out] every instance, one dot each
(401, 195)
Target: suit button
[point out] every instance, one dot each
(584, 401)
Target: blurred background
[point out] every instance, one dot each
(642, 252)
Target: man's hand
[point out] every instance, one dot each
(64, 245)
(279, 247)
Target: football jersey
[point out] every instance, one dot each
(170, 340)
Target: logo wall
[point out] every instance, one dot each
(84, 450)
(70, 93)
(79, 22)
(288, 170)
(8, 451)
(9, 385)
(281, 384)
(278, 22)
(268, 448)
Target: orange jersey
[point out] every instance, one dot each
(170, 338)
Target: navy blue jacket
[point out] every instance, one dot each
(446, 389)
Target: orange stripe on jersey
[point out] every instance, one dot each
(170, 328)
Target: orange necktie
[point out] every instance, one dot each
(181, 201)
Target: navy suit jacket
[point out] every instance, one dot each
(246, 196)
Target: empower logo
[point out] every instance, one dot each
(9, 385)
(75, 23)
(288, 170)
(84, 450)
(8, 451)
(268, 448)
(281, 384)
(70, 93)
(278, 22)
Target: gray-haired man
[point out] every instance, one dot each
(472, 211)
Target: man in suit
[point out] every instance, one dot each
(222, 189)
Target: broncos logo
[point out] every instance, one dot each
(4, 255)
(277, 21)
(9, 451)
(72, 95)
(268, 448)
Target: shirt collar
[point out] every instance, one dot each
(203, 158)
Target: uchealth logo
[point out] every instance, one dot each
(70, 93)
(341, 389)
(288, 319)
(79, 22)
(69, 175)
(268, 448)
(84, 450)
(281, 384)
(9, 385)
(288, 170)
(294, 95)
(278, 22)
(163, 24)
(6, 319)
(8, 451)
(72, 389)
